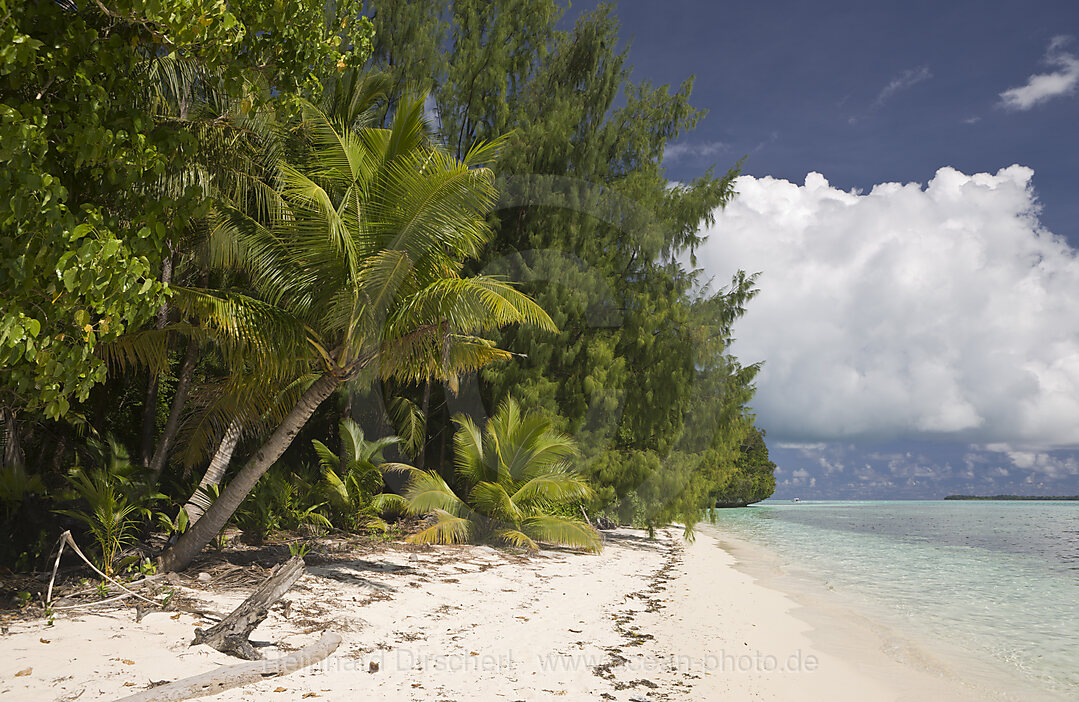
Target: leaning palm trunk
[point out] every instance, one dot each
(180, 554)
(198, 502)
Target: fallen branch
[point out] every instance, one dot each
(56, 566)
(230, 676)
(230, 635)
(65, 538)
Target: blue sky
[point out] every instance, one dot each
(911, 203)
(868, 92)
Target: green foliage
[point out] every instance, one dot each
(410, 422)
(350, 482)
(300, 549)
(754, 479)
(15, 488)
(173, 525)
(115, 504)
(281, 501)
(357, 263)
(89, 189)
(515, 479)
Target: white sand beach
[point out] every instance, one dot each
(645, 620)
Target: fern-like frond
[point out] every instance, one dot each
(410, 424)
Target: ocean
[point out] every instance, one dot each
(997, 580)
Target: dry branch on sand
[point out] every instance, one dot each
(230, 676)
(231, 634)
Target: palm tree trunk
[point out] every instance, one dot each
(346, 413)
(445, 434)
(215, 471)
(423, 409)
(149, 406)
(161, 455)
(14, 459)
(180, 554)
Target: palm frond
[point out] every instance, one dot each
(492, 500)
(428, 492)
(373, 449)
(334, 488)
(449, 529)
(409, 422)
(517, 539)
(565, 532)
(552, 489)
(248, 329)
(349, 98)
(389, 502)
(468, 453)
(326, 458)
(147, 348)
(468, 306)
(352, 441)
(398, 469)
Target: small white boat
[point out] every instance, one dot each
(797, 499)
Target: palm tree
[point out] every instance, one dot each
(515, 476)
(351, 482)
(359, 267)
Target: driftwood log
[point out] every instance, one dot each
(230, 676)
(231, 634)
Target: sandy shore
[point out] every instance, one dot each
(645, 620)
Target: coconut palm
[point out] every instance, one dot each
(359, 267)
(515, 479)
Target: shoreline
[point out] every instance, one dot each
(913, 665)
(644, 620)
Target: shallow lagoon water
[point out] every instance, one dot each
(997, 579)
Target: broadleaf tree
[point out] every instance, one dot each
(86, 218)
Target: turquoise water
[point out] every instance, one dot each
(997, 579)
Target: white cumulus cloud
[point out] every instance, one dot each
(937, 311)
(1045, 86)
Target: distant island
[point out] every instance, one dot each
(1009, 497)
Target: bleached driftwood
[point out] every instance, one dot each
(230, 676)
(230, 634)
(66, 539)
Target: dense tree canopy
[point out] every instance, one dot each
(755, 479)
(589, 217)
(228, 225)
